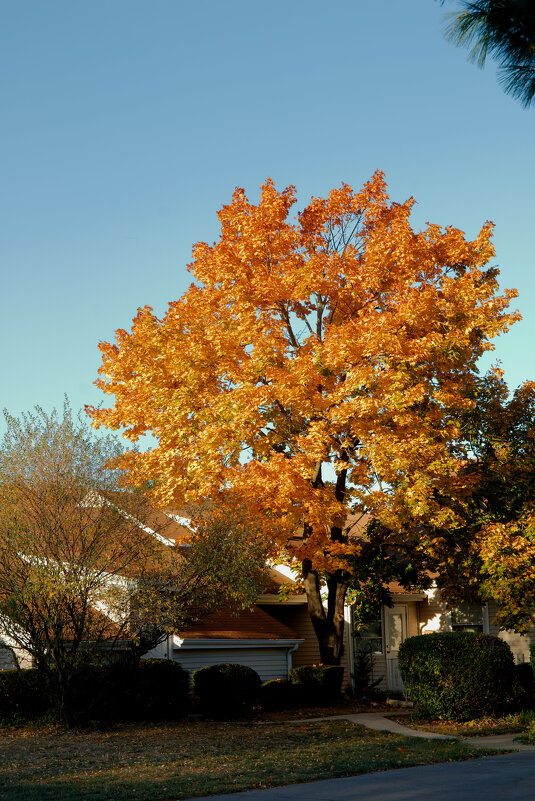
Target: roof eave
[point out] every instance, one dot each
(270, 598)
(213, 642)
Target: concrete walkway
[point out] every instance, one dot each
(380, 722)
(507, 777)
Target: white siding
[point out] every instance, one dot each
(379, 670)
(6, 659)
(269, 663)
(160, 652)
(519, 643)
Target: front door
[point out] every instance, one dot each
(395, 633)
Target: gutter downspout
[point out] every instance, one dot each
(289, 653)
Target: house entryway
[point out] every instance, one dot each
(395, 633)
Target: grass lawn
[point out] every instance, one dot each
(481, 727)
(173, 761)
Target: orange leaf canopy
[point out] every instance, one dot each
(340, 337)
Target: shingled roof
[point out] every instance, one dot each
(250, 624)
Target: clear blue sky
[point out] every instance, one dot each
(126, 125)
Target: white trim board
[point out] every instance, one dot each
(214, 643)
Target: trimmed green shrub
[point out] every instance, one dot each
(155, 689)
(91, 693)
(319, 684)
(526, 677)
(161, 690)
(277, 694)
(523, 686)
(227, 690)
(457, 675)
(24, 695)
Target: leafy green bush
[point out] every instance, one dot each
(24, 695)
(227, 690)
(523, 686)
(457, 675)
(155, 689)
(528, 719)
(161, 690)
(91, 693)
(320, 684)
(277, 694)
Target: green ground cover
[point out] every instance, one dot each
(528, 737)
(173, 761)
(481, 727)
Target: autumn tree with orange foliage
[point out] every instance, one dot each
(317, 365)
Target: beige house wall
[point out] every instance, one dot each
(296, 616)
(435, 616)
(519, 643)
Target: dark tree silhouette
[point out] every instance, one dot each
(505, 30)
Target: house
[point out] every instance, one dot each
(276, 635)
(7, 660)
(425, 613)
(251, 638)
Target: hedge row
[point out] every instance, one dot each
(157, 689)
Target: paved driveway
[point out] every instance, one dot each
(509, 777)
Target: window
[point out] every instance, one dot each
(370, 639)
(467, 617)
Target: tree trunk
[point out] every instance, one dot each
(328, 624)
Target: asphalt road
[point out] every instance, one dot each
(508, 777)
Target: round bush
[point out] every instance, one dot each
(457, 675)
(161, 690)
(277, 694)
(318, 684)
(227, 690)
